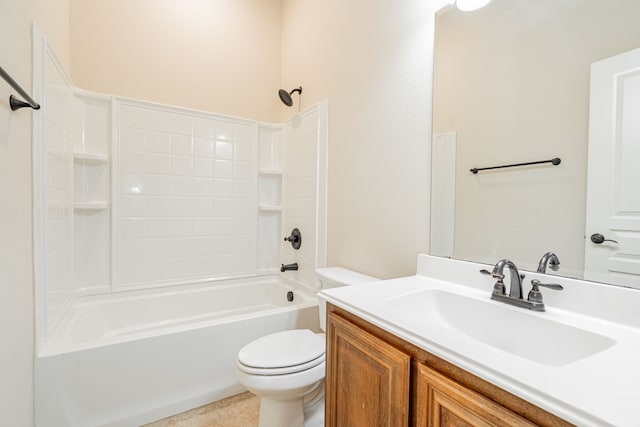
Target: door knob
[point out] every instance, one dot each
(598, 238)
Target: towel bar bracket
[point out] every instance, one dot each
(17, 104)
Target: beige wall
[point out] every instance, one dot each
(221, 56)
(16, 252)
(372, 61)
(512, 80)
(52, 18)
(16, 280)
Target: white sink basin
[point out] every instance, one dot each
(512, 329)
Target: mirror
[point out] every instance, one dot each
(511, 85)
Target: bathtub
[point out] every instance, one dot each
(134, 357)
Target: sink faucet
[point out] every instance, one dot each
(549, 259)
(515, 297)
(288, 267)
(515, 289)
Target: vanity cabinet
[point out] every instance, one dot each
(443, 402)
(368, 378)
(375, 378)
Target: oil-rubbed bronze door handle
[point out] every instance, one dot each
(598, 238)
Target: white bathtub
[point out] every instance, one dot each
(131, 358)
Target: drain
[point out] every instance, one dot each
(290, 296)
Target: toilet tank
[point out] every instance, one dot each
(333, 277)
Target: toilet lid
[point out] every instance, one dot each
(283, 349)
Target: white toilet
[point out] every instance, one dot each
(286, 369)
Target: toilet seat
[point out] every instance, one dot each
(282, 353)
(284, 370)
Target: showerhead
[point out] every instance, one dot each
(285, 96)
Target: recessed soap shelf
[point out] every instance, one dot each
(91, 176)
(90, 157)
(277, 172)
(91, 206)
(267, 208)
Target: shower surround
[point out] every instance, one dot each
(141, 208)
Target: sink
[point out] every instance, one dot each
(511, 329)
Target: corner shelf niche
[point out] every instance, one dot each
(91, 205)
(90, 135)
(269, 189)
(269, 198)
(91, 181)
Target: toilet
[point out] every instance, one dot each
(286, 369)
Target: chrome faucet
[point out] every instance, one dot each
(549, 259)
(515, 288)
(534, 299)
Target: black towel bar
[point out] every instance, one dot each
(14, 102)
(555, 161)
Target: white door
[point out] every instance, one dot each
(613, 184)
(443, 191)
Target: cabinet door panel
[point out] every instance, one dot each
(442, 402)
(367, 379)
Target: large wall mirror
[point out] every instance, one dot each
(512, 85)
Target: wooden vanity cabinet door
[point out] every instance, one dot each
(442, 402)
(367, 378)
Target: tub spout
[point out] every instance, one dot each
(287, 267)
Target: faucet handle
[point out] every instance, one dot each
(295, 238)
(535, 283)
(498, 288)
(492, 274)
(535, 295)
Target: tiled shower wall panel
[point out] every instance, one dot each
(58, 192)
(300, 137)
(92, 185)
(186, 186)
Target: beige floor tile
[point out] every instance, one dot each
(236, 411)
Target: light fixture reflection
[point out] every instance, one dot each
(469, 5)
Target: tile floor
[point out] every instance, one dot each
(240, 410)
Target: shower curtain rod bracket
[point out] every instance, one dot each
(17, 104)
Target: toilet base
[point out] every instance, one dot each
(314, 415)
(281, 413)
(287, 413)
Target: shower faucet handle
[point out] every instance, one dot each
(295, 238)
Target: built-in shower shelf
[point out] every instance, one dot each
(91, 206)
(90, 157)
(268, 208)
(277, 172)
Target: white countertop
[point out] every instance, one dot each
(600, 389)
